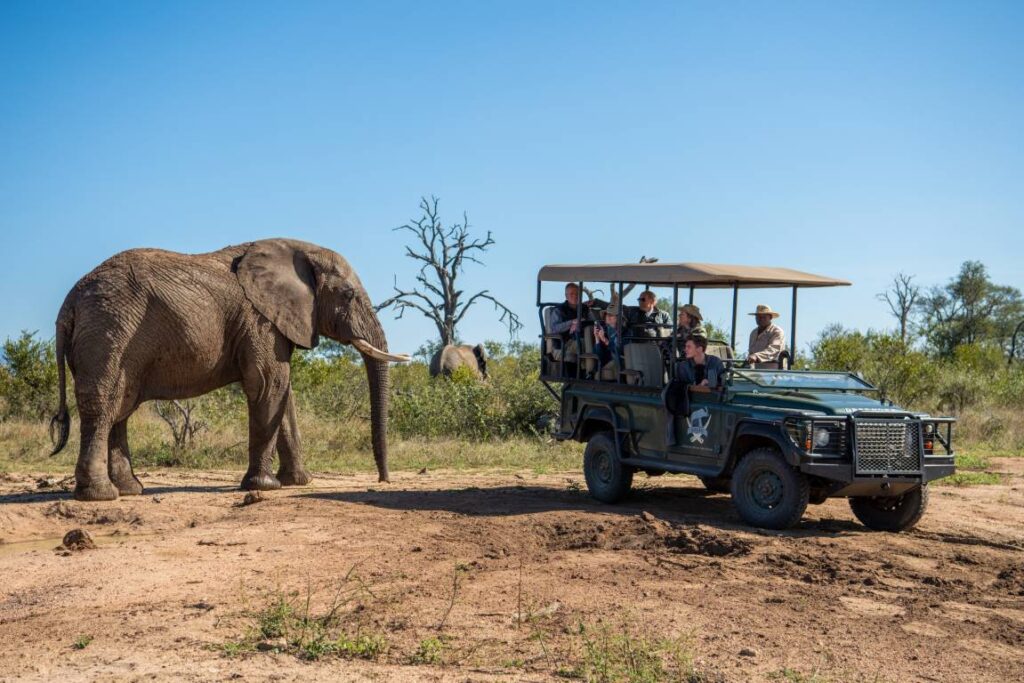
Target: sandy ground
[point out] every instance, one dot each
(502, 569)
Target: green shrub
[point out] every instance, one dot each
(28, 378)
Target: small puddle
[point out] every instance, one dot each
(18, 547)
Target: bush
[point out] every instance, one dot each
(902, 374)
(508, 404)
(28, 378)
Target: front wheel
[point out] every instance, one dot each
(895, 513)
(608, 479)
(767, 492)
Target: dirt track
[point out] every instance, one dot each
(180, 570)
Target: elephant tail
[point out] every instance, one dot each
(60, 424)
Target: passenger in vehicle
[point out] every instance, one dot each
(700, 369)
(767, 340)
(646, 320)
(564, 315)
(689, 318)
(606, 337)
(564, 322)
(697, 370)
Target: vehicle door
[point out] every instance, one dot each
(699, 435)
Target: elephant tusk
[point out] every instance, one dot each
(369, 349)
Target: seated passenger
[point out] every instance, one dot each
(565, 323)
(767, 340)
(606, 338)
(689, 318)
(646, 320)
(700, 369)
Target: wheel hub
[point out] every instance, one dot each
(766, 489)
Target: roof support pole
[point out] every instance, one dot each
(579, 328)
(675, 337)
(735, 304)
(691, 295)
(792, 333)
(618, 333)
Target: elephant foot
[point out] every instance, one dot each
(296, 478)
(96, 491)
(260, 482)
(129, 487)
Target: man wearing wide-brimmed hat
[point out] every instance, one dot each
(767, 340)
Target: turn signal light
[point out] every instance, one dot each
(929, 446)
(807, 444)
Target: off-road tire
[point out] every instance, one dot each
(767, 492)
(716, 484)
(608, 480)
(896, 513)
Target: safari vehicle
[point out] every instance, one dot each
(776, 438)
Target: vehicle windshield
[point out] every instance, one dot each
(800, 379)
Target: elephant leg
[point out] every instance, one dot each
(92, 479)
(120, 464)
(291, 472)
(266, 411)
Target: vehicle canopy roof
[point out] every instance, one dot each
(704, 275)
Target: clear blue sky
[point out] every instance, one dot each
(849, 139)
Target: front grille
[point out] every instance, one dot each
(887, 446)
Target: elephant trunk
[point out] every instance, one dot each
(375, 359)
(380, 393)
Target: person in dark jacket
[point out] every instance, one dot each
(646, 320)
(700, 369)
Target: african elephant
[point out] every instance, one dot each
(449, 357)
(150, 324)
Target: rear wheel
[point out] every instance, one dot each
(608, 480)
(895, 513)
(767, 492)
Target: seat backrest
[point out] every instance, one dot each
(610, 371)
(646, 358)
(589, 364)
(550, 344)
(720, 348)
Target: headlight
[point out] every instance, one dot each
(929, 427)
(821, 437)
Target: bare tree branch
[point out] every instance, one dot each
(443, 253)
(902, 297)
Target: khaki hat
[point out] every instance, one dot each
(766, 310)
(692, 311)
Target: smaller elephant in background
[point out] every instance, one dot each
(449, 357)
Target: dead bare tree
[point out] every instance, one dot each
(180, 418)
(443, 252)
(902, 296)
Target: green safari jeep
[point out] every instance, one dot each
(775, 438)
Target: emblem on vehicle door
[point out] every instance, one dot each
(697, 425)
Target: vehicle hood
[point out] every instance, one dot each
(825, 402)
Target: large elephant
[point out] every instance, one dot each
(449, 357)
(149, 324)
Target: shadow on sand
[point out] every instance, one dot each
(675, 504)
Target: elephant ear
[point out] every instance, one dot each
(480, 352)
(278, 280)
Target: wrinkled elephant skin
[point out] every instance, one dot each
(449, 357)
(148, 324)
